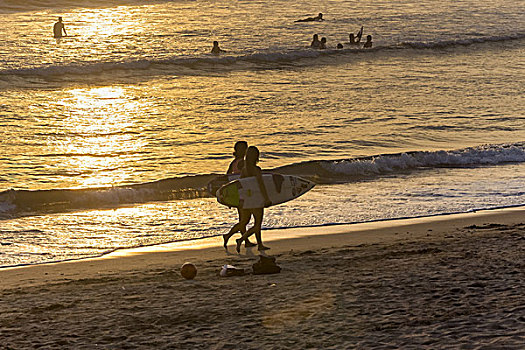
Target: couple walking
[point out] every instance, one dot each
(245, 164)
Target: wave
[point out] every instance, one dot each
(462, 42)
(15, 203)
(191, 65)
(13, 6)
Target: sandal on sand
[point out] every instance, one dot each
(249, 244)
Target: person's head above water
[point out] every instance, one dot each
(252, 155)
(240, 149)
(60, 19)
(369, 38)
(320, 15)
(215, 43)
(323, 39)
(316, 37)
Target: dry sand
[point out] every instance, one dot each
(443, 282)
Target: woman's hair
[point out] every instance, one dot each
(252, 155)
(240, 149)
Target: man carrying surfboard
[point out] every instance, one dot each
(235, 168)
(251, 169)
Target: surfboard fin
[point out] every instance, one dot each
(278, 181)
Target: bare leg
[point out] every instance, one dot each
(244, 218)
(258, 216)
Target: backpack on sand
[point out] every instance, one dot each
(265, 265)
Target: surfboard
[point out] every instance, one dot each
(220, 181)
(245, 193)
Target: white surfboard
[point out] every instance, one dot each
(245, 193)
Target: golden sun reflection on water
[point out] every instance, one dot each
(99, 135)
(111, 22)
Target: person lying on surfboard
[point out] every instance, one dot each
(317, 18)
(235, 168)
(251, 169)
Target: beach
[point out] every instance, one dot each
(112, 133)
(449, 281)
(118, 121)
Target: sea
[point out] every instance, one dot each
(110, 134)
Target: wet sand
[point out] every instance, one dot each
(453, 281)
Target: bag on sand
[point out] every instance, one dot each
(265, 265)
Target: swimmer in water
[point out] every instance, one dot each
(339, 46)
(355, 40)
(216, 50)
(316, 44)
(58, 28)
(322, 46)
(317, 18)
(368, 43)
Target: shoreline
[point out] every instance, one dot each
(281, 240)
(322, 227)
(454, 281)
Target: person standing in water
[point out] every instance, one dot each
(216, 50)
(251, 169)
(58, 28)
(356, 39)
(368, 43)
(322, 45)
(315, 42)
(235, 168)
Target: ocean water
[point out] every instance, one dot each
(111, 134)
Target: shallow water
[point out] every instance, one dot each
(134, 98)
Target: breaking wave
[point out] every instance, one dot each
(15, 203)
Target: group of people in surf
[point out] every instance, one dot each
(354, 41)
(245, 165)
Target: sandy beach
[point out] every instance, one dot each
(454, 281)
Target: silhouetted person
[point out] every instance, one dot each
(235, 168)
(251, 169)
(355, 40)
(322, 46)
(317, 18)
(216, 49)
(239, 151)
(58, 28)
(368, 43)
(339, 46)
(315, 42)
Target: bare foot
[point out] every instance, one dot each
(238, 248)
(225, 238)
(249, 244)
(261, 248)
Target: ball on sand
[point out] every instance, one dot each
(188, 271)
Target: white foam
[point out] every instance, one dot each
(382, 164)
